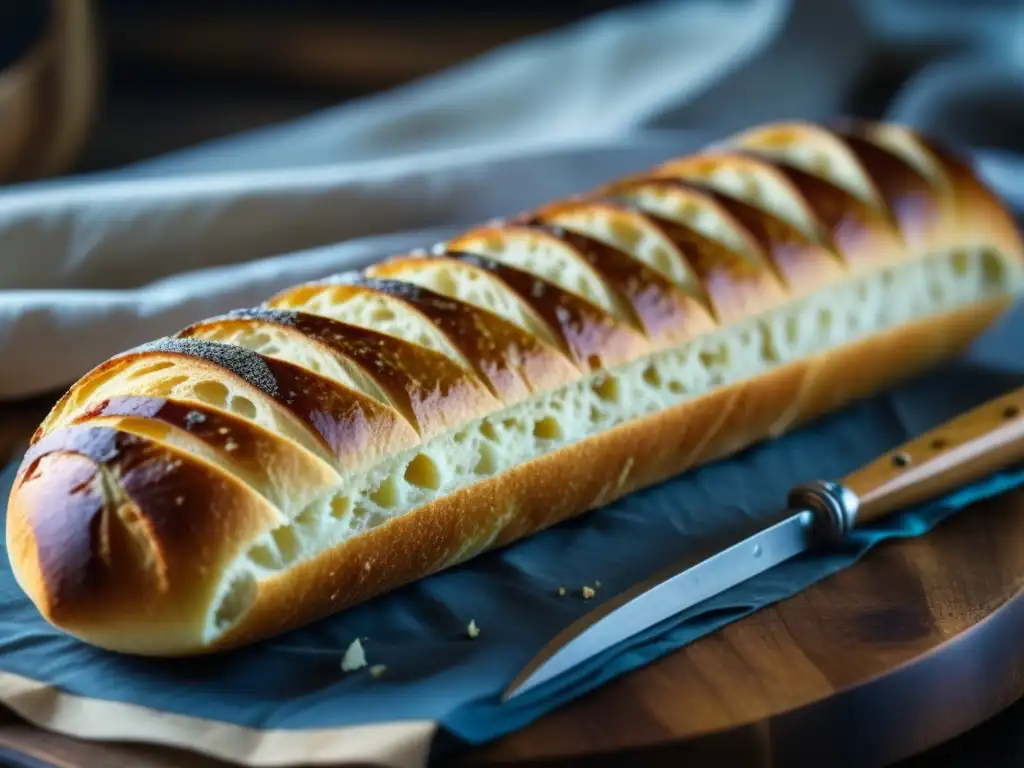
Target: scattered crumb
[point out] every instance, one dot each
(588, 593)
(561, 591)
(597, 584)
(378, 669)
(472, 630)
(223, 430)
(230, 446)
(355, 657)
(179, 500)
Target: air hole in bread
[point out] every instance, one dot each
(212, 392)
(446, 283)
(651, 376)
(264, 557)
(665, 379)
(164, 387)
(607, 388)
(717, 355)
(308, 520)
(243, 406)
(825, 319)
(422, 472)
(382, 315)
(993, 269)
(340, 507)
(547, 428)
(961, 262)
(287, 542)
(487, 463)
(769, 351)
(255, 340)
(387, 494)
(792, 326)
(236, 601)
(148, 369)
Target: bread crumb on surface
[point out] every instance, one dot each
(472, 630)
(378, 669)
(561, 591)
(588, 593)
(597, 584)
(355, 657)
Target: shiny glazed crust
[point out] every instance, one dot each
(268, 467)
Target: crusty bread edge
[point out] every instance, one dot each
(550, 489)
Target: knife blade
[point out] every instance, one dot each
(819, 514)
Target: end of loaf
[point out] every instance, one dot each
(115, 538)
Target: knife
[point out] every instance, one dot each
(819, 514)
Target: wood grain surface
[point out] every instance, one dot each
(915, 645)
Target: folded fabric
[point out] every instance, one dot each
(93, 265)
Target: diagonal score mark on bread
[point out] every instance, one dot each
(812, 149)
(370, 428)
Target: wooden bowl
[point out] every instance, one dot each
(49, 96)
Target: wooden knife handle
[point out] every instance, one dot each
(965, 449)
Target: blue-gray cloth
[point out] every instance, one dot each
(435, 672)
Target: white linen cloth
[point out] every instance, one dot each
(92, 265)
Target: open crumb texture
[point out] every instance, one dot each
(264, 468)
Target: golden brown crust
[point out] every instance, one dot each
(801, 262)
(277, 468)
(548, 490)
(976, 207)
(738, 284)
(512, 361)
(921, 213)
(432, 392)
(161, 506)
(858, 231)
(593, 338)
(667, 315)
(338, 421)
(123, 533)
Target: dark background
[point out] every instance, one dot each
(177, 72)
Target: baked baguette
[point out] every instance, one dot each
(268, 467)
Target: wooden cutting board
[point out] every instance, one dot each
(915, 645)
